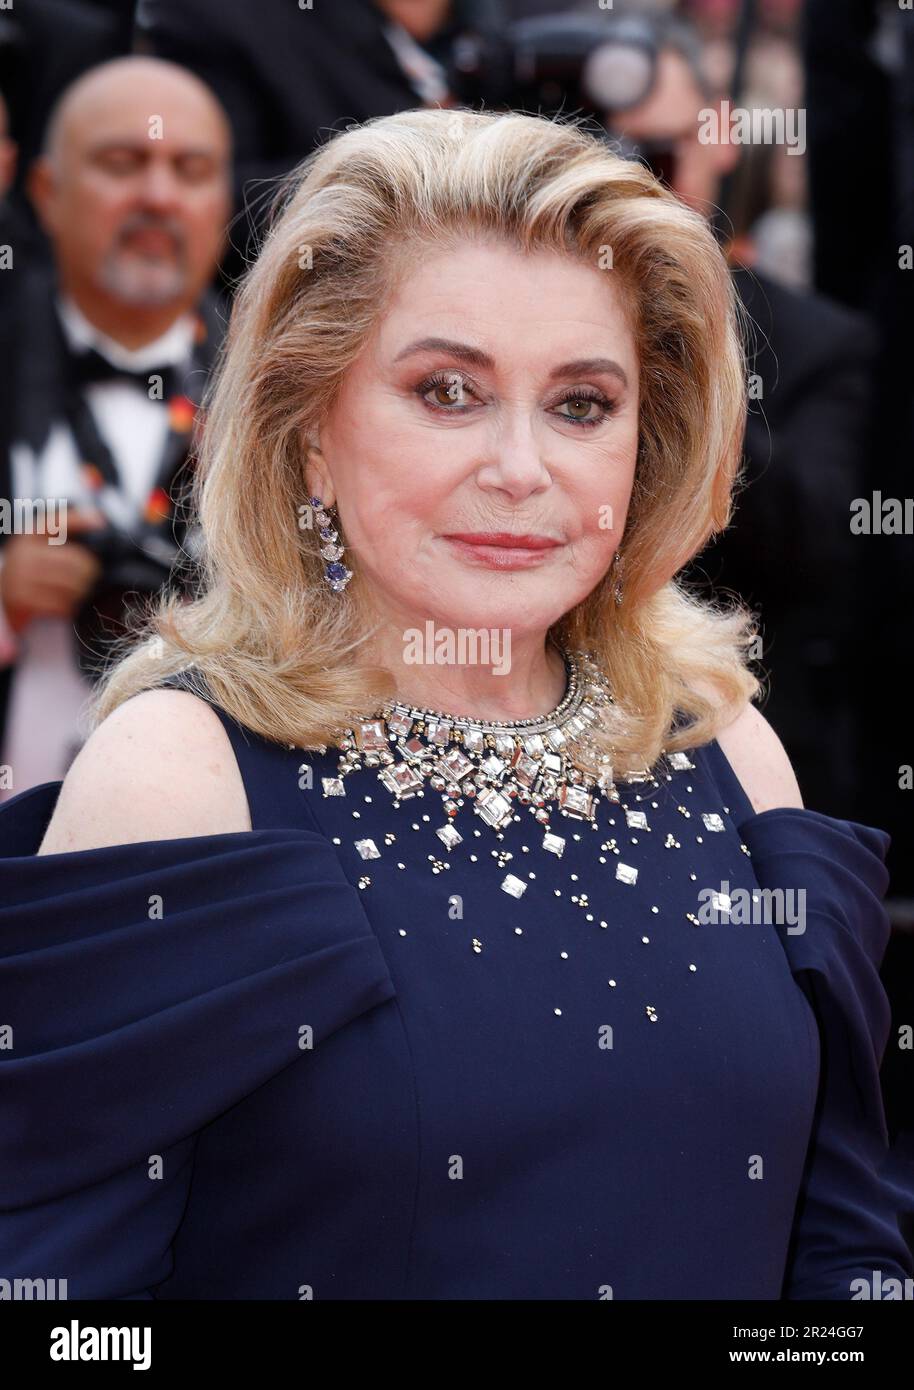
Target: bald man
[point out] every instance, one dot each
(133, 189)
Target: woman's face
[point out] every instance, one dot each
(521, 421)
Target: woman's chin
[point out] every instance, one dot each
(454, 611)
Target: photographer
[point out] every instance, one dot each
(111, 358)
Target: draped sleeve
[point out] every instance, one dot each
(144, 989)
(854, 1192)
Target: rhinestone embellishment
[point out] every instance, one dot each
(549, 765)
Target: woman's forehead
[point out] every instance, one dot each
(497, 303)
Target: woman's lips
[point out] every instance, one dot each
(501, 550)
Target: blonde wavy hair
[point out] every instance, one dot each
(281, 652)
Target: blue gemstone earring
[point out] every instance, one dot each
(336, 575)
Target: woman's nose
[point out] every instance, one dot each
(515, 461)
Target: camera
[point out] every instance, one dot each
(547, 64)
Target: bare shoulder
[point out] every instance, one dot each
(159, 767)
(760, 761)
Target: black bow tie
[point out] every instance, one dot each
(87, 368)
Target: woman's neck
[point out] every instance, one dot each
(502, 682)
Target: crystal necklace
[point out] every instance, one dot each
(548, 764)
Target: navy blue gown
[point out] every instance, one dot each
(262, 1065)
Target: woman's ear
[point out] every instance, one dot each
(317, 477)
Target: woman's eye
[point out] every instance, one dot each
(449, 392)
(585, 405)
(446, 392)
(576, 404)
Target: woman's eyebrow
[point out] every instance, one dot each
(475, 357)
(589, 366)
(463, 351)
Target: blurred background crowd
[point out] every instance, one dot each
(140, 144)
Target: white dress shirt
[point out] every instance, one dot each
(45, 720)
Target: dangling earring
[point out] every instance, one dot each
(617, 566)
(336, 575)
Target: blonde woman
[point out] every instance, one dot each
(399, 932)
